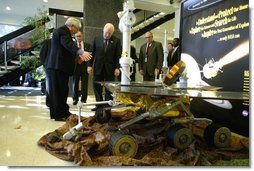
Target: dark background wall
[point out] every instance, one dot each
(99, 12)
(96, 14)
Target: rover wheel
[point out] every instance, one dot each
(102, 115)
(179, 137)
(217, 136)
(123, 144)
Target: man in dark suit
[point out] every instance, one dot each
(80, 73)
(170, 50)
(175, 56)
(105, 65)
(60, 65)
(150, 58)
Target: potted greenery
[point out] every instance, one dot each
(32, 63)
(36, 37)
(38, 22)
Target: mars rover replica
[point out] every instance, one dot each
(167, 103)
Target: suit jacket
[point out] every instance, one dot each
(108, 59)
(173, 58)
(154, 57)
(63, 51)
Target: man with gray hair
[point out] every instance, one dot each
(73, 22)
(61, 64)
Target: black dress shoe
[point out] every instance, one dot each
(68, 114)
(94, 109)
(75, 102)
(61, 119)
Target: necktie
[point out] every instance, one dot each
(148, 47)
(105, 44)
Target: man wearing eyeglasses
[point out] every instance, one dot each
(150, 58)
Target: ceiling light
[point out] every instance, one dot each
(45, 1)
(8, 8)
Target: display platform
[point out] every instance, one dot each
(153, 88)
(140, 84)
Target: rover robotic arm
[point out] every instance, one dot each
(127, 19)
(74, 130)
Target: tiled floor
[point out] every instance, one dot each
(23, 121)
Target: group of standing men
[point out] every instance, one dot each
(67, 57)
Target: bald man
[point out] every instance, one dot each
(150, 58)
(106, 52)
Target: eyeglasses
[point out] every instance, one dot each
(148, 37)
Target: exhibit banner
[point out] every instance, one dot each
(215, 47)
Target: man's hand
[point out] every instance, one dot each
(86, 56)
(117, 72)
(141, 72)
(156, 72)
(89, 70)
